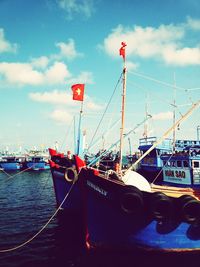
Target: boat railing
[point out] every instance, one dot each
(186, 143)
(147, 141)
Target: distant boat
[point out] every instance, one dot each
(36, 161)
(11, 162)
(151, 165)
(182, 168)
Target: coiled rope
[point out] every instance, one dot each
(46, 224)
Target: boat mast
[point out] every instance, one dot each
(198, 133)
(145, 134)
(174, 116)
(122, 53)
(186, 115)
(79, 129)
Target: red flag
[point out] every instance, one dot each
(78, 91)
(122, 50)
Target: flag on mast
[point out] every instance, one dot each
(122, 51)
(78, 91)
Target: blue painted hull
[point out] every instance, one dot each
(108, 226)
(62, 187)
(37, 166)
(10, 166)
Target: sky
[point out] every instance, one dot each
(47, 46)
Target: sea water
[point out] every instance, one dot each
(27, 202)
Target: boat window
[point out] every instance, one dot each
(196, 164)
(179, 163)
(185, 163)
(173, 163)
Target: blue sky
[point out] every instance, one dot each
(47, 46)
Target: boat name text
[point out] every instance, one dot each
(172, 173)
(96, 188)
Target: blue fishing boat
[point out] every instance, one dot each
(65, 167)
(151, 165)
(126, 211)
(36, 161)
(64, 170)
(11, 162)
(123, 210)
(182, 168)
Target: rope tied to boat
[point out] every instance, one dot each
(44, 226)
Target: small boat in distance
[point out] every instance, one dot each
(182, 168)
(153, 164)
(36, 161)
(11, 162)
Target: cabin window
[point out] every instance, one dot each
(196, 164)
(167, 163)
(173, 163)
(179, 163)
(185, 163)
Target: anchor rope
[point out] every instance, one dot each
(43, 227)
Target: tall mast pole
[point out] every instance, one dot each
(198, 133)
(79, 129)
(122, 53)
(174, 116)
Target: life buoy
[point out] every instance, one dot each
(71, 175)
(161, 206)
(190, 209)
(131, 200)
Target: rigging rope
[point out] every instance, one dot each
(16, 174)
(187, 114)
(105, 111)
(162, 169)
(163, 83)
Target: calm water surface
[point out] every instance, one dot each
(27, 202)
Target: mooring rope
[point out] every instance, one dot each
(46, 224)
(18, 172)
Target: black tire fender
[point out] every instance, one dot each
(131, 201)
(161, 206)
(190, 209)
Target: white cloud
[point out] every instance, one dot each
(57, 73)
(83, 77)
(163, 116)
(193, 23)
(24, 74)
(72, 7)
(182, 57)
(61, 116)
(67, 50)
(41, 62)
(53, 97)
(20, 74)
(164, 43)
(66, 104)
(6, 46)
